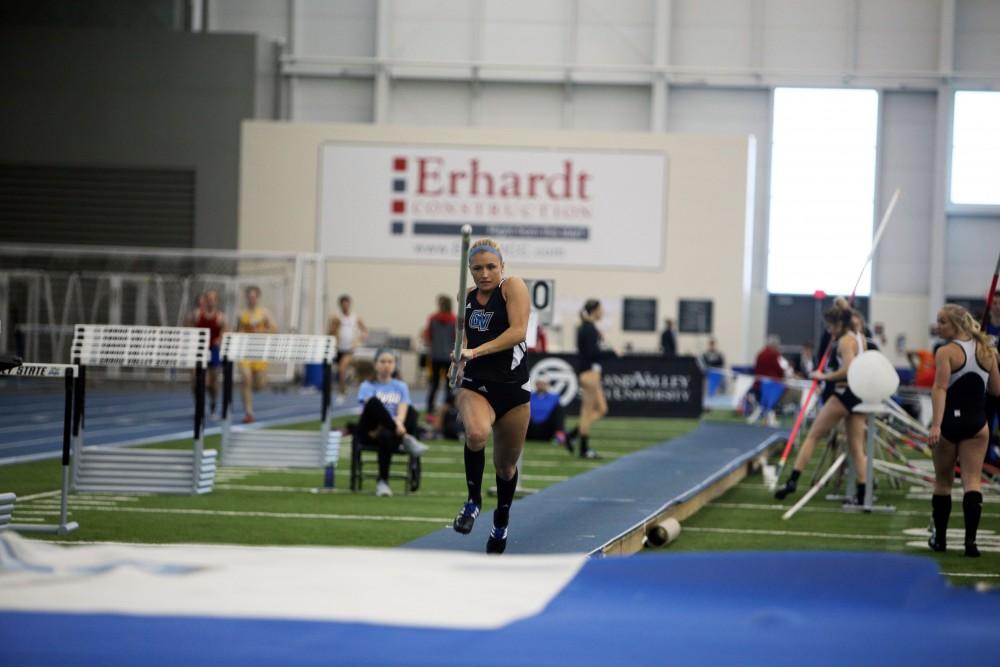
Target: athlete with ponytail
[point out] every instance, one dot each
(493, 394)
(838, 401)
(966, 368)
(593, 404)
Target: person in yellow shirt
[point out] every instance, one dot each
(254, 319)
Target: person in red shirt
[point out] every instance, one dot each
(439, 335)
(208, 316)
(769, 364)
(769, 361)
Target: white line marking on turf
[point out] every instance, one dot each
(955, 548)
(970, 574)
(791, 533)
(277, 515)
(44, 494)
(828, 510)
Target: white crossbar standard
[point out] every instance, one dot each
(273, 448)
(142, 347)
(292, 348)
(70, 375)
(142, 470)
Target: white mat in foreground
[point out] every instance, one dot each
(392, 586)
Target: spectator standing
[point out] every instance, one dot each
(439, 335)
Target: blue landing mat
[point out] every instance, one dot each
(587, 511)
(812, 608)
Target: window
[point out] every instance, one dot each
(823, 155)
(975, 148)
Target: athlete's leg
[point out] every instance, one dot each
(508, 443)
(477, 416)
(831, 413)
(944, 454)
(971, 453)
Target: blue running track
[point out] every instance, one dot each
(31, 424)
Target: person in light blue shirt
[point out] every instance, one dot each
(387, 418)
(548, 419)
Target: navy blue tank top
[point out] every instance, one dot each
(484, 323)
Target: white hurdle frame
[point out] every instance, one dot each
(69, 374)
(287, 348)
(144, 347)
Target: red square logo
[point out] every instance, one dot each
(398, 206)
(399, 164)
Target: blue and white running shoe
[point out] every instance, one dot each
(497, 542)
(466, 518)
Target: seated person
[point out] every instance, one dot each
(548, 419)
(387, 418)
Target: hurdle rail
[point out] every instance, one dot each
(69, 373)
(274, 448)
(108, 469)
(6, 509)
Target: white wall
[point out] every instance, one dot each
(667, 65)
(706, 228)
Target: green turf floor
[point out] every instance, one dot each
(287, 507)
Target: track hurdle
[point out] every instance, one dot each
(6, 509)
(164, 471)
(69, 374)
(273, 448)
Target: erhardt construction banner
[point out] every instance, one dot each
(546, 207)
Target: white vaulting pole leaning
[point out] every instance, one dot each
(815, 487)
(463, 273)
(826, 355)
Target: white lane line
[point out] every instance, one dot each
(793, 533)
(43, 494)
(425, 473)
(826, 510)
(276, 515)
(955, 548)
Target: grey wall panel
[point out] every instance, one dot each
(610, 108)
(898, 35)
(977, 35)
(714, 34)
(431, 103)
(430, 30)
(615, 32)
(971, 255)
(907, 162)
(334, 101)
(804, 34)
(267, 18)
(519, 105)
(337, 27)
(527, 31)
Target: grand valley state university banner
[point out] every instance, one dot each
(635, 386)
(546, 207)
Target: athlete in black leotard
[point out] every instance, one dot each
(838, 403)
(494, 393)
(965, 369)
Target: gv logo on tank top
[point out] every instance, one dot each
(480, 320)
